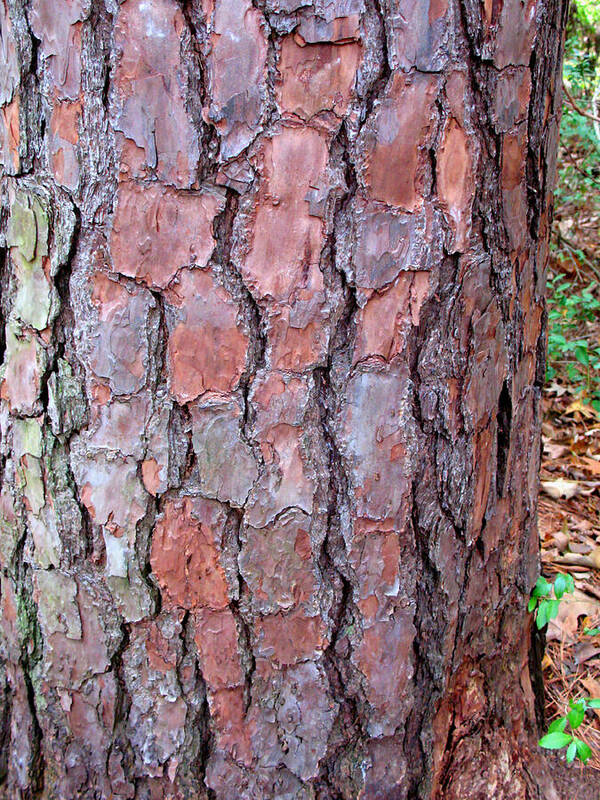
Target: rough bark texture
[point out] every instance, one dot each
(272, 351)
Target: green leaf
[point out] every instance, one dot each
(542, 587)
(594, 703)
(576, 715)
(591, 631)
(571, 752)
(570, 583)
(531, 604)
(556, 740)
(581, 354)
(558, 725)
(553, 608)
(583, 750)
(541, 618)
(560, 585)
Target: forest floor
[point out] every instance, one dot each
(569, 508)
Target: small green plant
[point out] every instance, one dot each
(557, 737)
(573, 351)
(578, 169)
(576, 356)
(542, 602)
(545, 600)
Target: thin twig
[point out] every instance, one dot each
(580, 252)
(579, 110)
(578, 168)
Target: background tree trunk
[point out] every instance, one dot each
(272, 353)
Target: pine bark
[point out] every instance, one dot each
(272, 349)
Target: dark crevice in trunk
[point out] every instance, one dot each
(4, 309)
(536, 654)
(239, 605)
(328, 386)
(182, 415)
(488, 204)
(161, 342)
(96, 152)
(534, 178)
(273, 32)
(31, 110)
(206, 744)
(379, 81)
(36, 777)
(544, 59)
(386, 69)
(453, 739)
(541, 354)
(6, 704)
(197, 720)
(62, 328)
(116, 666)
(64, 348)
(101, 22)
(334, 570)
(504, 422)
(4, 278)
(432, 518)
(427, 683)
(206, 748)
(425, 646)
(31, 653)
(143, 543)
(225, 269)
(120, 740)
(198, 97)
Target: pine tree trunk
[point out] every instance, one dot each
(273, 341)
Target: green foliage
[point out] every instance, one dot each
(543, 603)
(557, 736)
(578, 177)
(576, 356)
(573, 346)
(545, 600)
(588, 11)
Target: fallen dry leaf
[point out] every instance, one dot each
(591, 560)
(562, 541)
(571, 607)
(581, 408)
(594, 591)
(561, 488)
(585, 651)
(588, 487)
(555, 450)
(556, 388)
(580, 547)
(591, 464)
(593, 687)
(591, 431)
